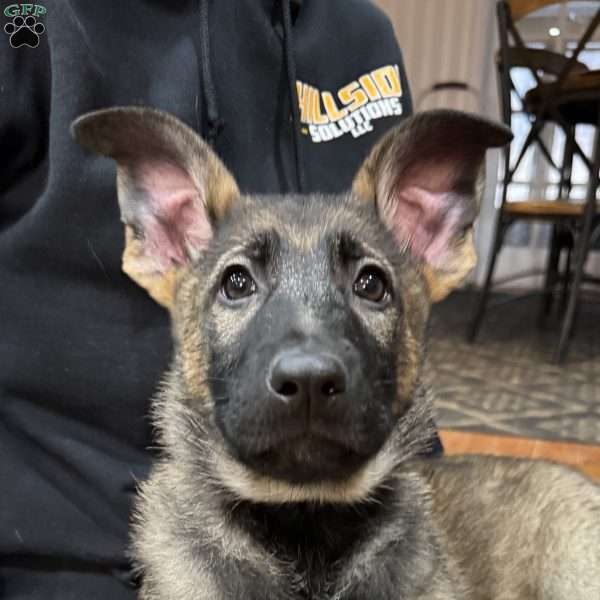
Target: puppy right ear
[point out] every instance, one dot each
(172, 190)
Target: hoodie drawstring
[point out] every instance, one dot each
(215, 122)
(290, 62)
(214, 119)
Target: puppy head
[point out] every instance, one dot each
(298, 320)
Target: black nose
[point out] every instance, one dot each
(299, 377)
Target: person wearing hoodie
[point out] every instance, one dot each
(291, 94)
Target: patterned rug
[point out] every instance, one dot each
(505, 382)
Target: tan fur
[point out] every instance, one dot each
(259, 488)
(303, 239)
(193, 361)
(249, 485)
(519, 529)
(160, 286)
(442, 282)
(159, 548)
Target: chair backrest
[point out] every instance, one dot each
(521, 8)
(467, 97)
(514, 52)
(544, 61)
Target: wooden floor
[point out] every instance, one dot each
(583, 456)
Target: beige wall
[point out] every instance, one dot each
(447, 39)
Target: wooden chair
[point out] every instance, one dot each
(566, 93)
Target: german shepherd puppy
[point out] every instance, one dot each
(296, 408)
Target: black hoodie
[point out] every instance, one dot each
(81, 347)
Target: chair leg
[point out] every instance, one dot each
(563, 239)
(551, 274)
(568, 276)
(581, 246)
(569, 318)
(566, 171)
(485, 292)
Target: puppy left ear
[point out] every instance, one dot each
(426, 177)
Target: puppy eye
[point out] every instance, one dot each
(237, 283)
(371, 284)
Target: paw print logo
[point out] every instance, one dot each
(24, 31)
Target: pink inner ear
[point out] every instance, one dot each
(173, 218)
(425, 221)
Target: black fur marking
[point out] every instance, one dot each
(262, 432)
